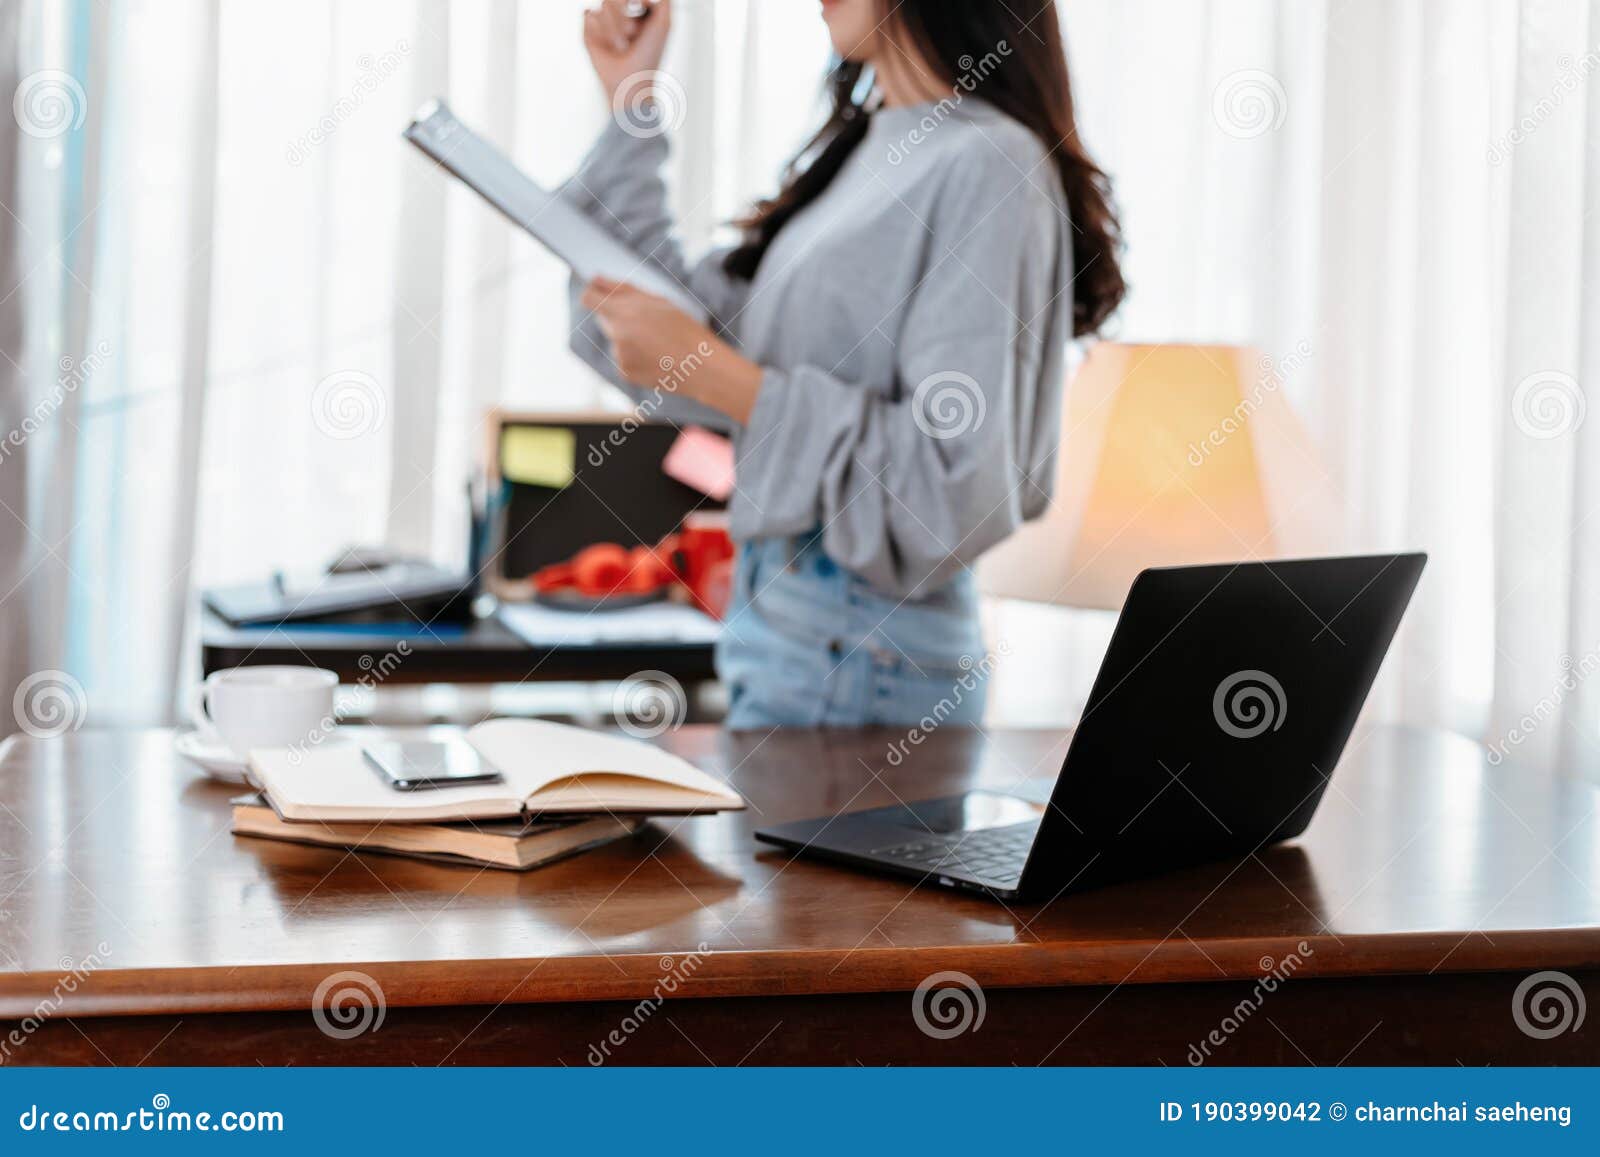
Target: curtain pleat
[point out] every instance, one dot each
(14, 626)
(418, 301)
(54, 515)
(1540, 394)
(196, 345)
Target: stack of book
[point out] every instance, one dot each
(562, 790)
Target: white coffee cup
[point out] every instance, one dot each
(247, 707)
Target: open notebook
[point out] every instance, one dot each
(548, 769)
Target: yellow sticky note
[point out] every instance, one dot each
(538, 455)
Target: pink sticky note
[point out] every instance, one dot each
(702, 460)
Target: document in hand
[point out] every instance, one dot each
(559, 226)
(548, 768)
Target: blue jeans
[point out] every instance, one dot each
(808, 644)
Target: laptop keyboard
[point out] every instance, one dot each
(993, 855)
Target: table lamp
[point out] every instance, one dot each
(1170, 454)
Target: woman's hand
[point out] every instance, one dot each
(654, 343)
(622, 45)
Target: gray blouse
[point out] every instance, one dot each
(912, 323)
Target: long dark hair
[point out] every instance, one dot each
(1029, 84)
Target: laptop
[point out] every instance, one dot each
(1223, 703)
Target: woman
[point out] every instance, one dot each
(886, 343)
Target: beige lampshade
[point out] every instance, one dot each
(1170, 454)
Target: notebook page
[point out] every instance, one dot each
(545, 752)
(335, 781)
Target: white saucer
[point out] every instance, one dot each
(215, 759)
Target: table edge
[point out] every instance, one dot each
(734, 973)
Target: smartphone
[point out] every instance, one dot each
(417, 765)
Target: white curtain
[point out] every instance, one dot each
(280, 329)
(14, 644)
(1408, 188)
(253, 327)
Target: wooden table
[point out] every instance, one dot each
(1428, 888)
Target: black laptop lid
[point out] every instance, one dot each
(1224, 701)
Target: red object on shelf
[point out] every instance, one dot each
(650, 570)
(600, 569)
(700, 557)
(608, 568)
(707, 554)
(553, 578)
